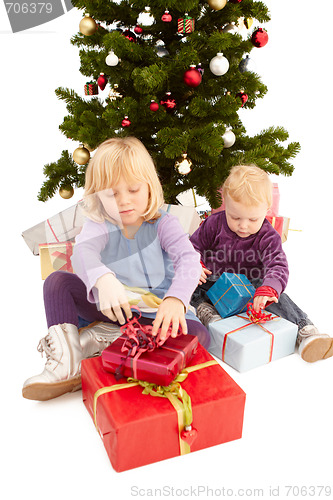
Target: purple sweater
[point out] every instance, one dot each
(259, 256)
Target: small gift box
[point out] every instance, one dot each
(185, 25)
(55, 257)
(187, 216)
(91, 88)
(281, 224)
(159, 366)
(203, 407)
(231, 293)
(246, 341)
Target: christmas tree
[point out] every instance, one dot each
(176, 79)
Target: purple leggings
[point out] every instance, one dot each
(65, 299)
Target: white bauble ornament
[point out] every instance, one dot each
(247, 64)
(219, 65)
(111, 59)
(229, 138)
(184, 166)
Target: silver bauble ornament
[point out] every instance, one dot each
(219, 65)
(247, 64)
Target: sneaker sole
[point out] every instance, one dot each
(44, 392)
(321, 348)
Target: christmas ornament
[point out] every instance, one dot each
(192, 77)
(146, 18)
(259, 37)
(114, 94)
(130, 35)
(168, 102)
(219, 65)
(185, 25)
(138, 30)
(153, 106)
(102, 81)
(125, 122)
(87, 25)
(246, 64)
(248, 22)
(243, 97)
(91, 88)
(167, 17)
(161, 51)
(217, 4)
(111, 59)
(229, 138)
(230, 28)
(235, 1)
(200, 69)
(66, 192)
(184, 165)
(81, 155)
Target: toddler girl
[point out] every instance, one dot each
(241, 240)
(126, 241)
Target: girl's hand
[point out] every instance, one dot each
(204, 273)
(170, 312)
(112, 298)
(260, 301)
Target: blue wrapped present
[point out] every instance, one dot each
(245, 343)
(231, 293)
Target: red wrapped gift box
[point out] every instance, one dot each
(159, 366)
(130, 421)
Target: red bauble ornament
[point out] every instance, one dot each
(129, 35)
(125, 122)
(102, 81)
(138, 30)
(192, 77)
(153, 106)
(259, 38)
(235, 1)
(168, 102)
(167, 17)
(243, 97)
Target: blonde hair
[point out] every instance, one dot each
(248, 184)
(121, 157)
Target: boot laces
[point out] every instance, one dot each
(46, 345)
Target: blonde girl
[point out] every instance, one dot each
(126, 241)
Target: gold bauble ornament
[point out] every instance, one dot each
(184, 165)
(87, 25)
(66, 192)
(217, 4)
(81, 155)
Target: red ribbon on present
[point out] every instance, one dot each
(139, 339)
(254, 318)
(66, 257)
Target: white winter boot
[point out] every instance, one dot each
(96, 337)
(62, 369)
(312, 345)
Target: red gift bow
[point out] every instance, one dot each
(65, 257)
(256, 318)
(139, 339)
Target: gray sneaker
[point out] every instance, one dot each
(96, 337)
(207, 313)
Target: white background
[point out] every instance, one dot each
(51, 449)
